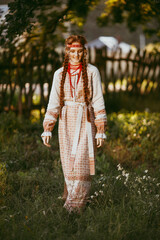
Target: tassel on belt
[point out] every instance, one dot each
(77, 133)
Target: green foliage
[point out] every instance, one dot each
(131, 202)
(133, 13)
(124, 203)
(49, 17)
(135, 138)
(3, 177)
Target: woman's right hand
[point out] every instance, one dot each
(46, 140)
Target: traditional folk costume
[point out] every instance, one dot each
(77, 136)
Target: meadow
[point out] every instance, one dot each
(124, 202)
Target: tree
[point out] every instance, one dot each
(47, 16)
(134, 13)
(30, 33)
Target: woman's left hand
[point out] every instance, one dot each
(100, 142)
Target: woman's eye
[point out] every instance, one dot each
(76, 52)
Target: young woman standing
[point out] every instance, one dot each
(76, 96)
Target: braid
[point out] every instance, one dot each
(65, 67)
(85, 86)
(70, 40)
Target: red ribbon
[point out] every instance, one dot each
(74, 45)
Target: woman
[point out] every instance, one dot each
(76, 96)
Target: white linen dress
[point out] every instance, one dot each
(77, 136)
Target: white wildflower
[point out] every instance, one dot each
(96, 193)
(119, 167)
(44, 213)
(118, 177)
(146, 171)
(92, 196)
(127, 176)
(138, 179)
(60, 197)
(100, 191)
(158, 184)
(144, 177)
(103, 185)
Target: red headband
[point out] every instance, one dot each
(74, 45)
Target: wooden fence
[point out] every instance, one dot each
(136, 72)
(22, 74)
(26, 76)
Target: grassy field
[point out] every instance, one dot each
(125, 195)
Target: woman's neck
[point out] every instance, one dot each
(75, 64)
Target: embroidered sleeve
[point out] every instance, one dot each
(53, 107)
(99, 106)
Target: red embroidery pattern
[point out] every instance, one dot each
(103, 111)
(74, 45)
(101, 125)
(81, 178)
(53, 114)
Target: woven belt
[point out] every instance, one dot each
(77, 133)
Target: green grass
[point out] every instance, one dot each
(125, 198)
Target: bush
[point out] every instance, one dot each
(134, 138)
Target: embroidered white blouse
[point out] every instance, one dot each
(96, 100)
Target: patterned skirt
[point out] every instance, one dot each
(77, 179)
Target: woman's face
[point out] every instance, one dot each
(75, 54)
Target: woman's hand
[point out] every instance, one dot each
(46, 140)
(100, 142)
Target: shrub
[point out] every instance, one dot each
(134, 138)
